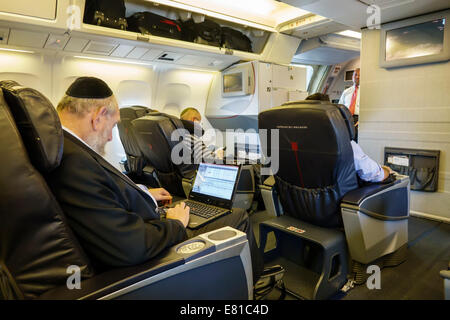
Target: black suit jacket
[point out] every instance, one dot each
(114, 219)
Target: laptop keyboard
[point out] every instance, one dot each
(203, 210)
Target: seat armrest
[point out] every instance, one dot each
(148, 170)
(149, 177)
(382, 201)
(269, 182)
(270, 197)
(187, 184)
(113, 280)
(198, 252)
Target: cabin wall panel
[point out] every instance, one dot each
(177, 89)
(407, 107)
(29, 70)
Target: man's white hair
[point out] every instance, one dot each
(82, 106)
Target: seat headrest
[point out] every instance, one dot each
(133, 112)
(301, 102)
(38, 124)
(348, 118)
(153, 136)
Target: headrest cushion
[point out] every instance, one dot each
(89, 88)
(38, 124)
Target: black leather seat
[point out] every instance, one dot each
(317, 167)
(150, 134)
(146, 135)
(36, 244)
(154, 138)
(136, 166)
(320, 195)
(38, 249)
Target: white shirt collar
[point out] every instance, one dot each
(76, 136)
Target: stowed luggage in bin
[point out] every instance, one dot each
(234, 39)
(151, 23)
(107, 13)
(207, 32)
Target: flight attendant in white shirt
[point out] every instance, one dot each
(366, 168)
(350, 98)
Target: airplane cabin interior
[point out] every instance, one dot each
(380, 72)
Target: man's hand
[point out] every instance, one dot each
(387, 171)
(179, 212)
(160, 194)
(219, 154)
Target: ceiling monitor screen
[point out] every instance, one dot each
(232, 82)
(238, 80)
(415, 41)
(419, 40)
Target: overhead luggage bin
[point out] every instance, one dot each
(67, 23)
(45, 10)
(327, 50)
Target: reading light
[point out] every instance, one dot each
(112, 60)
(16, 50)
(350, 33)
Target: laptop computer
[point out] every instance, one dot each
(212, 193)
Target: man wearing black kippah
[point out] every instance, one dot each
(115, 219)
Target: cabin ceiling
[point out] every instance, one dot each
(353, 13)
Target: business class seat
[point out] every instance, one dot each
(326, 219)
(136, 166)
(153, 133)
(40, 256)
(152, 136)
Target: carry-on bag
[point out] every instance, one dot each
(151, 23)
(207, 32)
(234, 39)
(106, 13)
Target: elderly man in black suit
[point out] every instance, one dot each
(116, 220)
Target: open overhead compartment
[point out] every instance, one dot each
(327, 50)
(311, 26)
(69, 34)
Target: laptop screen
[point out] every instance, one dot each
(216, 180)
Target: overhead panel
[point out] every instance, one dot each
(206, 62)
(27, 38)
(152, 54)
(56, 41)
(101, 48)
(76, 44)
(189, 60)
(4, 34)
(122, 51)
(137, 53)
(169, 56)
